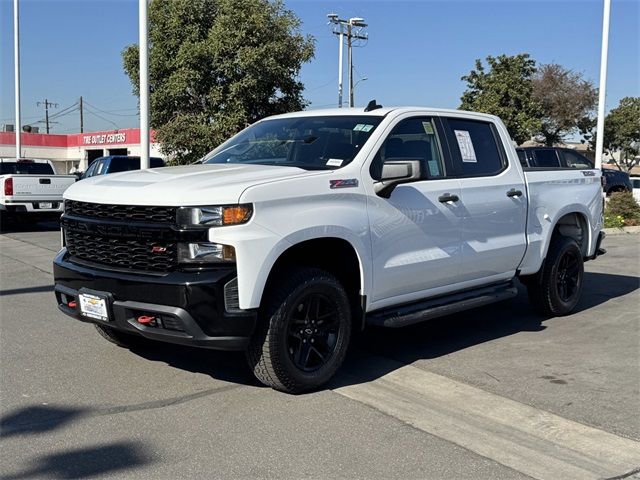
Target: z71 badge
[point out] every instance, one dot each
(346, 183)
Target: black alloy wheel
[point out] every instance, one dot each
(568, 276)
(313, 332)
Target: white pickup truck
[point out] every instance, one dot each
(31, 188)
(306, 226)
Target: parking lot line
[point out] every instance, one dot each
(531, 441)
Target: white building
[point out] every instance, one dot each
(75, 149)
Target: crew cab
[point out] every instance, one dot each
(557, 157)
(118, 163)
(31, 188)
(307, 226)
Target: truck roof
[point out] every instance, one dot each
(381, 112)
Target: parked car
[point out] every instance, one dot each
(306, 226)
(118, 163)
(31, 188)
(555, 157)
(635, 183)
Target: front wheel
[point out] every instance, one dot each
(303, 331)
(555, 290)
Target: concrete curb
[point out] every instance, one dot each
(622, 231)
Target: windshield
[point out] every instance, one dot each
(312, 143)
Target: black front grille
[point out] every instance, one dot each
(126, 253)
(134, 213)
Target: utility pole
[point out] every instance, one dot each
(47, 104)
(16, 62)
(81, 116)
(354, 28)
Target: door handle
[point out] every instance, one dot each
(514, 193)
(448, 197)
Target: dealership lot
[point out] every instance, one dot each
(498, 392)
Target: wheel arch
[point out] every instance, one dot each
(335, 255)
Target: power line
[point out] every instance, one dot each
(111, 112)
(101, 117)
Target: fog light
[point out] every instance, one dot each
(205, 252)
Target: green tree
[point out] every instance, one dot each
(622, 132)
(505, 90)
(216, 66)
(567, 101)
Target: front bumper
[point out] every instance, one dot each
(189, 306)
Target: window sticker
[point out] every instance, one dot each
(362, 127)
(466, 146)
(335, 162)
(428, 128)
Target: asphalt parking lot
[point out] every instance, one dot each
(499, 392)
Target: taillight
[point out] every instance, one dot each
(8, 186)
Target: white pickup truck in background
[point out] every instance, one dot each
(306, 226)
(31, 188)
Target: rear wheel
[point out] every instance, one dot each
(303, 332)
(555, 290)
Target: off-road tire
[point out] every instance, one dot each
(269, 353)
(543, 288)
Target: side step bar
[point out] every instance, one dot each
(409, 314)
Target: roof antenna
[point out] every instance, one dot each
(372, 105)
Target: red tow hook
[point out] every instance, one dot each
(146, 319)
(72, 304)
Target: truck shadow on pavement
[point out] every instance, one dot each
(378, 351)
(431, 339)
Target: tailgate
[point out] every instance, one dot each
(40, 187)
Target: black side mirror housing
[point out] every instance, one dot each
(395, 172)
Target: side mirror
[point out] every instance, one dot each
(395, 172)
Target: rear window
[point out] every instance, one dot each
(25, 168)
(523, 157)
(546, 159)
(124, 164)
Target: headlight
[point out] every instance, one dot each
(214, 216)
(205, 252)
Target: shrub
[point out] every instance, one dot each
(622, 210)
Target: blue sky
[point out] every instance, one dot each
(416, 54)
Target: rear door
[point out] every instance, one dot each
(415, 233)
(492, 201)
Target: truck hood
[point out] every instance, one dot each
(180, 186)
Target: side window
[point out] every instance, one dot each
(575, 160)
(474, 148)
(522, 155)
(412, 139)
(546, 158)
(100, 167)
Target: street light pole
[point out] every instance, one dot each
(144, 81)
(602, 89)
(339, 30)
(16, 57)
